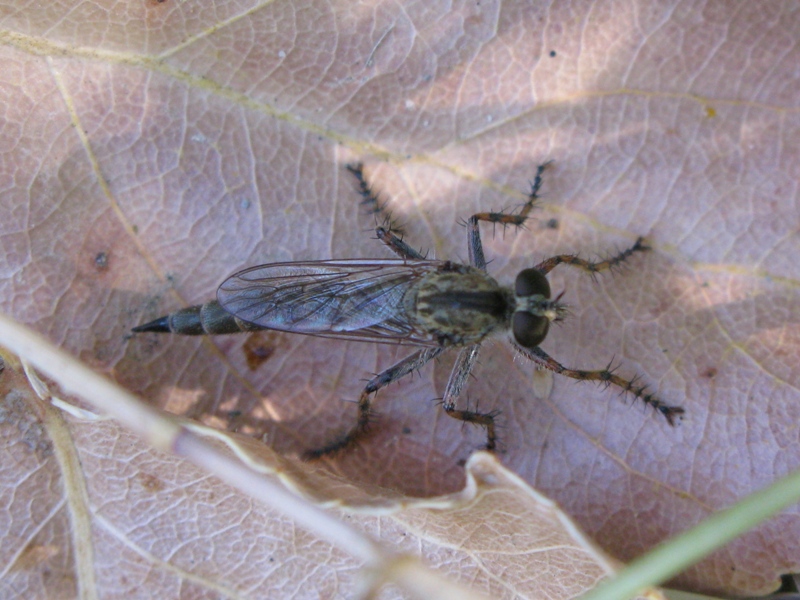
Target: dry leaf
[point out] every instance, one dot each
(128, 509)
(152, 149)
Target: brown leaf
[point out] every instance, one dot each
(133, 509)
(110, 479)
(150, 153)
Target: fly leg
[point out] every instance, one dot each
(393, 373)
(370, 198)
(396, 244)
(458, 379)
(476, 256)
(592, 267)
(388, 232)
(607, 376)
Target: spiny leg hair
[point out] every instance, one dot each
(396, 244)
(606, 376)
(370, 198)
(466, 359)
(476, 255)
(592, 267)
(388, 232)
(408, 365)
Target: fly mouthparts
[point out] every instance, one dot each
(560, 309)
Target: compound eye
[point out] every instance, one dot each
(530, 282)
(529, 330)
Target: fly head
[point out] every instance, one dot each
(534, 308)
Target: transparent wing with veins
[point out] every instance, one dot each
(332, 298)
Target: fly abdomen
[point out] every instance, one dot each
(205, 319)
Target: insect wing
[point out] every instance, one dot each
(336, 298)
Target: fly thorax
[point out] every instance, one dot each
(460, 307)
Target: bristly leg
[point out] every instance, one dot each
(476, 255)
(396, 244)
(465, 361)
(372, 200)
(365, 416)
(388, 232)
(607, 376)
(592, 267)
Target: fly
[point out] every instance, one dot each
(432, 305)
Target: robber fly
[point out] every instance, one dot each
(432, 305)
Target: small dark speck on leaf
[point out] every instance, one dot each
(101, 261)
